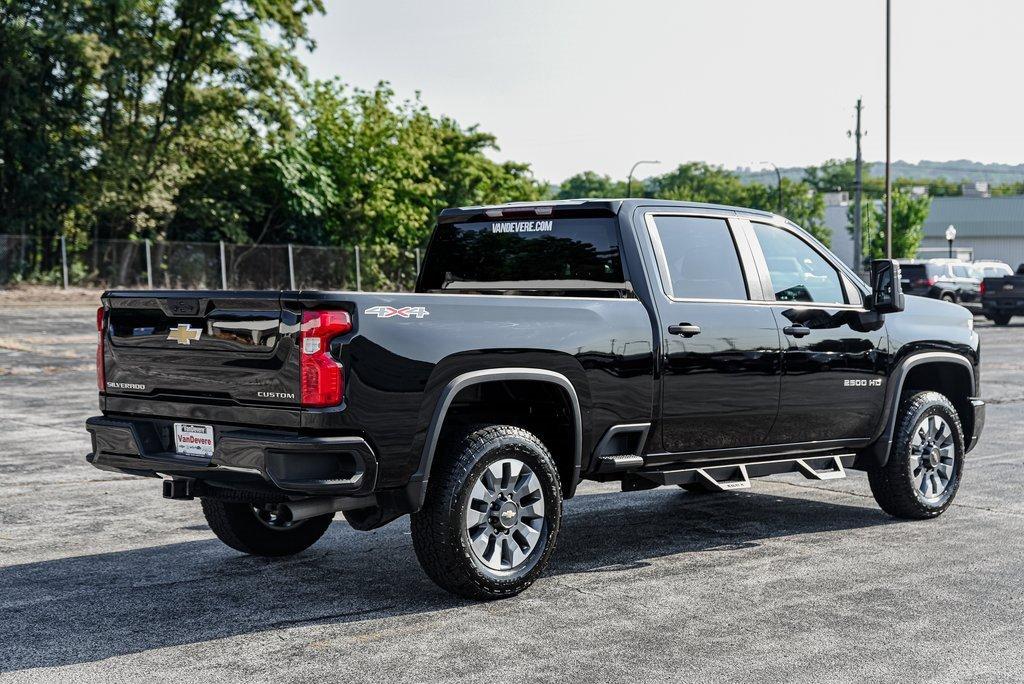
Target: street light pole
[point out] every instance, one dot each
(950, 236)
(629, 179)
(888, 130)
(778, 179)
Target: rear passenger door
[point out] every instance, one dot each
(720, 349)
(833, 379)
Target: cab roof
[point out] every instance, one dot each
(580, 207)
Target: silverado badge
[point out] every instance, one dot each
(184, 334)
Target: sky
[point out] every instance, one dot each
(573, 85)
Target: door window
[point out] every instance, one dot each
(699, 258)
(798, 272)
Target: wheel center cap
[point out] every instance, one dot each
(934, 457)
(508, 515)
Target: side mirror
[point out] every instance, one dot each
(886, 292)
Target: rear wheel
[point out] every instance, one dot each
(1001, 319)
(949, 297)
(491, 516)
(922, 475)
(259, 531)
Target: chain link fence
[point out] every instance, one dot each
(207, 265)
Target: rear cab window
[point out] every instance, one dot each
(533, 256)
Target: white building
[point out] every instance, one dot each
(991, 227)
(986, 228)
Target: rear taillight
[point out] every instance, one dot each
(101, 328)
(322, 380)
(931, 281)
(981, 288)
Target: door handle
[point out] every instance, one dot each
(797, 330)
(684, 329)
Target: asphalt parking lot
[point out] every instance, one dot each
(102, 579)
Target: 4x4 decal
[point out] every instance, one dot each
(403, 312)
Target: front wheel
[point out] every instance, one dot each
(922, 475)
(257, 530)
(1001, 319)
(491, 515)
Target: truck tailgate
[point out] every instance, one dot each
(233, 347)
(1007, 291)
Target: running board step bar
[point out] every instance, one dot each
(737, 475)
(611, 464)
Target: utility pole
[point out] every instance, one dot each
(858, 192)
(888, 129)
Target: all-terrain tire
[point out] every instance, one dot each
(237, 525)
(439, 529)
(893, 484)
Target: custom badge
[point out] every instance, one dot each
(403, 312)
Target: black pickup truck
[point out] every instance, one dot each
(1002, 298)
(637, 341)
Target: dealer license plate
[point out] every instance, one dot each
(193, 440)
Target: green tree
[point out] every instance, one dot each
(834, 175)
(1007, 189)
(592, 184)
(176, 73)
(48, 60)
(109, 109)
(909, 212)
(700, 182)
(391, 167)
(800, 204)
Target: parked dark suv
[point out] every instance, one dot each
(946, 280)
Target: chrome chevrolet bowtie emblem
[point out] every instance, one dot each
(508, 514)
(184, 334)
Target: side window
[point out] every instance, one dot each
(700, 258)
(798, 272)
(961, 272)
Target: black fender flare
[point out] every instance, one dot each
(877, 453)
(416, 490)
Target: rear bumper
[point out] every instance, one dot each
(264, 459)
(997, 306)
(979, 423)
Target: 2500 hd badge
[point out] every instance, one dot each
(874, 382)
(642, 342)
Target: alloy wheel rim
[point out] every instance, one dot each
(505, 515)
(932, 457)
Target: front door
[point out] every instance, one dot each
(833, 379)
(721, 349)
